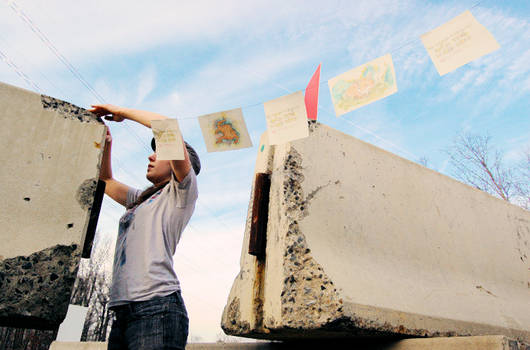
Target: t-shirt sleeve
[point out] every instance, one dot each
(185, 193)
(132, 196)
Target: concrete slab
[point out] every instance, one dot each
(361, 242)
(495, 342)
(51, 152)
(89, 345)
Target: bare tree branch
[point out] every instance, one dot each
(476, 163)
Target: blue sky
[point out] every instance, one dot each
(186, 59)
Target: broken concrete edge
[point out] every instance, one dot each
(87, 195)
(300, 266)
(491, 342)
(92, 199)
(36, 289)
(355, 323)
(69, 110)
(90, 193)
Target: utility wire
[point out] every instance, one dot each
(78, 75)
(19, 72)
(325, 82)
(24, 58)
(47, 42)
(52, 47)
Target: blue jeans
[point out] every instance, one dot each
(159, 323)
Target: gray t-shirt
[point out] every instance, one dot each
(147, 237)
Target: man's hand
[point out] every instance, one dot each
(110, 112)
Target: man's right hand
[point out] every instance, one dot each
(110, 112)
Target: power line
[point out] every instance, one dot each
(24, 58)
(52, 47)
(19, 72)
(365, 130)
(72, 69)
(78, 75)
(47, 42)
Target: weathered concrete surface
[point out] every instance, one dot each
(361, 242)
(51, 152)
(67, 345)
(493, 342)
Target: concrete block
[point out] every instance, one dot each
(492, 342)
(51, 152)
(361, 242)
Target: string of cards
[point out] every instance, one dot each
(450, 46)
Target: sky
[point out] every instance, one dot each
(186, 59)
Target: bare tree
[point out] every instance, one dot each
(91, 289)
(478, 164)
(26, 338)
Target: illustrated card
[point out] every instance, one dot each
(362, 85)
(225, 131)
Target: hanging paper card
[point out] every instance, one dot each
(311, 95)
(363, 85)
(168, 139)
(457, 42)
(225, 131)
(286, 118)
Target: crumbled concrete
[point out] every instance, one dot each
(233, 315)
(36, 288)
(68, 110)
(85, 193)
(361, 242)
(309, 298)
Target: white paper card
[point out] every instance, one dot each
(168, 139)
(286, 118)
(457, 42)
(363, 85)
(225, 131)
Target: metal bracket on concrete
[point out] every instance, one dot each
(260, 210)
